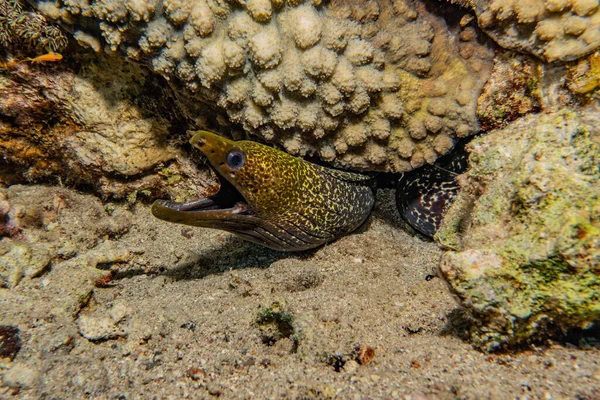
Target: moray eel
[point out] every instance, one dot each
(424, 195)
(272, 198)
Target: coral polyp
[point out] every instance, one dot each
(29, 30)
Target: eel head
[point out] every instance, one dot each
(266, 196)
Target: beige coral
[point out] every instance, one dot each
(553, 30)
(265, 48)
(360, 84)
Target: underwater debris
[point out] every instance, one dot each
(360, 355)
(8, 226)
(275, 323)
(364, 354)
(10, 341)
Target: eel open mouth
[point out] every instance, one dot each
(228, 210)
(209, 212)
(272, 198)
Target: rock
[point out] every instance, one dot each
(275, 322)
(98, 328)
(351, 367)
(64, 230)
(20, 376)
(119, 312)
(10, 341)
(525, 230)
(512, 91)
(104, 124)
(553, 30)
(583, 77)
(22, 260)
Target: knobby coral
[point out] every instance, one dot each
(380, 85)
(551, 29)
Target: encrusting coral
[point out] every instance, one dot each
(525, 229)
(554, 30)
(366, 85)
(583, 78)
(514, 89)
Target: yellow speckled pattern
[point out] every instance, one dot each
(292, 204)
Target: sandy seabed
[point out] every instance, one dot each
(197, 313)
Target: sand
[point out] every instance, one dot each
(198, 313)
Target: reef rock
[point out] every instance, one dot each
(104, 124)
(554, 30)
(45, 229)
(525, 229)
(515, 88)
(373, 85)
(583, 78)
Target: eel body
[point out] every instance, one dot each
(424, 195)
(272, 198)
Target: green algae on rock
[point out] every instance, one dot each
(525, 231)
(276, 322)
(272, 198)
(583, 78)
(515, 88)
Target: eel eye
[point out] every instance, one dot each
(236, 159)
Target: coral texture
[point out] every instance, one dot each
(583, 78)
(26, 29)
(515, 88)
(94, 126)
(551, 29)
(526, 229)
(367, 85)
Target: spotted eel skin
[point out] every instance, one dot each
(424, 195)
(272, 198)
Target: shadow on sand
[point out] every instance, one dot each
(234, 254)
